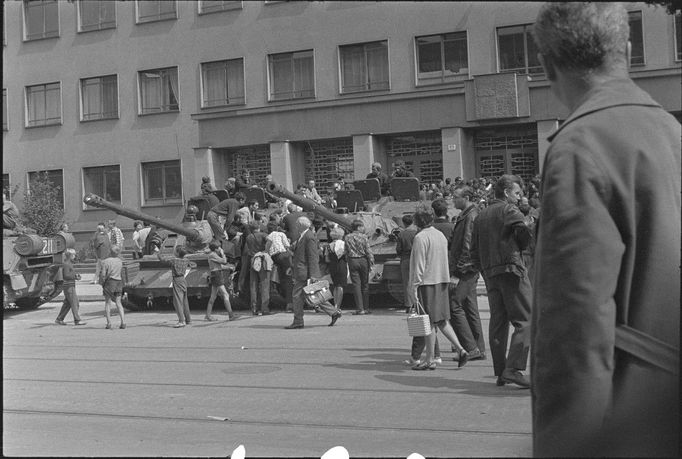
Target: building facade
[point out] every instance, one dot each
(137, 100)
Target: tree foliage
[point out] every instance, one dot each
(671, 6)
(43, 210)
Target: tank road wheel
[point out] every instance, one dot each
(133, 303)
(396, 290)
(29, 303)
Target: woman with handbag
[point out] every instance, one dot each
(216, 262)
(429, 282)
(360, 261)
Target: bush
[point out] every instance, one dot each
(43, 208)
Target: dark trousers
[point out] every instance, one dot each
(509, 297)
(70, 303)
(405, 276)
(259, 283)
(180, 299)
(299, 301)
(465, 319)
(283, 262)
(418, 345)
(359, 277)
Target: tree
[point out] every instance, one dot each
(671, 6)
(43, 209)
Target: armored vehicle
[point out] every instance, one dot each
(147, 281)
(31, 267)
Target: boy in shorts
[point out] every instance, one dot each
(112, 285)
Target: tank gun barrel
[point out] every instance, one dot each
(308, 205)
(97, 201)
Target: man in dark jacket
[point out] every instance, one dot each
(463, 301)
(606, 316)
(500, 234)
(306, 268)
(381, 176)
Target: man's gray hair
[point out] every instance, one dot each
(304, 222)
(582, 37)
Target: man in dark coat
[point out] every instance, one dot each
(465, 320)
(305, 268)
(381, 176)
(500, 234)
(606, 316)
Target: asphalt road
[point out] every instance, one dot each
(152, 390)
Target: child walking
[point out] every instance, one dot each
(70, 276)
(179, 264)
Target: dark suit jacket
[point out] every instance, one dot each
(289, 225)
(305, 263)
(460, 244)
(608, 251)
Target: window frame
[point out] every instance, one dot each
(26, 106)
(5, 110)
(366, 85)
(139, 21)
(641, 20)
(101, 25)
(81, 100)
(164, 201)
(526, 34)
(270, 77)
(44, 35)
(443, 75)
(677, 31)
(28, 183)
(104, 187)
(141, 111)
(228, 5)
(203, 81)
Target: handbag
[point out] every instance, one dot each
(418, 322)
(317, 293)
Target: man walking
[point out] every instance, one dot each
(306, 268)
(606, 317)
(463, 301)
(500, 234)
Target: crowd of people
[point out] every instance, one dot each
(590, 287)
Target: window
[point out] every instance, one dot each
(150, 10)
(364, 67)
(56, 177)
(206, 7)
(678, 36)
(442, 56)
(96, 15)
(4, 109)
(636, 38)
(517, 50)
(291, 75)
(159, 91)
(43, 105)
(41, 19)
(222, 83)
(103, 181)
(6, 189)
(99, 98)
(162, 182)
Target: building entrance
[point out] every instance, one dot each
(422, 153)
(507, 151)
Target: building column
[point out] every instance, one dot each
(287, 164)
(203, 166)
(364, 151)
(545, 129)
(458, 154)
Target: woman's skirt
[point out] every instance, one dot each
(435, 300)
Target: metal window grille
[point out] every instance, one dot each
(327, 160)
(256, 159)
(422, 153)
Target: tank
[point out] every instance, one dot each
(381, 231)
(147, 281)
(32, 267)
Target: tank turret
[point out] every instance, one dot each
(197, 234)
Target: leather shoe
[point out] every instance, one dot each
(500, 381)
(425, 366)
(515, 377)
(60, 322)
(463, 358)
(476, 354)
(360, 312)
(293, 326)
(335, 317)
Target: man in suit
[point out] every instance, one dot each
(606, 315)
(289, 222)
(305, 267)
